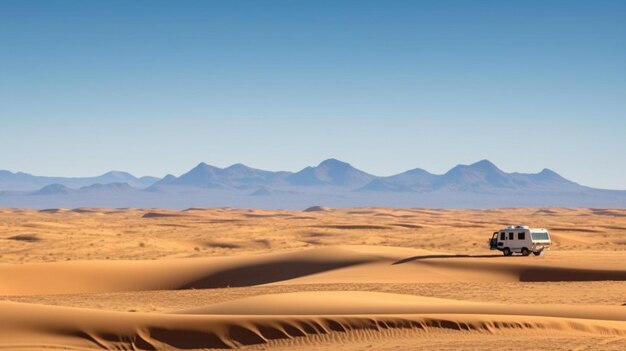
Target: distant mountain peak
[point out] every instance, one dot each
(240, 168)
(484, 164)
(416, 170)
(201, 169)
(479, 175)
(202, 175)
(237, 166)
(117, 173)
(480, 166)
(549, 175)
(416, 179)
(236, 176)
(202, 166)
(333, 162)
(331, 172)
(52, 189)
(547, 171)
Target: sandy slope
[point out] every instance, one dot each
(260, 319)
(370, 303)
(351, 264)
(338, 279)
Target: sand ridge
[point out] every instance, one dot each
(346, 264)
(247, 323)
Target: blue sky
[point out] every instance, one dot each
(153, 87)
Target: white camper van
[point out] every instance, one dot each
(520, 239)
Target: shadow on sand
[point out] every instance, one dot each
(425, 257)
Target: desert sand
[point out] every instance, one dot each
(336, 279)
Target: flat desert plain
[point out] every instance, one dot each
(336, 279)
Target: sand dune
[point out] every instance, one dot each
(346, 279)
(355, 303)
(109, 276)
(261, 319)
(348, 264)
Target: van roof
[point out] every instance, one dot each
(523, 227)
(516, 227)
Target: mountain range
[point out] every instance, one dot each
(331, 183)
(24, 181)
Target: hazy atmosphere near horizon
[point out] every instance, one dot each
(155, 87)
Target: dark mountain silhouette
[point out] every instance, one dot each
(546, 178)
(414, 180)
(332, 183)
(477, 176)
(235, 176)
(482, 176)
(331, 172)
(24, 181)
(59, 189)
(110, 187)
(53, 189)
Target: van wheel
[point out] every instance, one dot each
(537, 253)
(525, 251)
(507, 251)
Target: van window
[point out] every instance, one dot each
(511, 236)
(502, 235)
(521, 236)
(539, 236)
